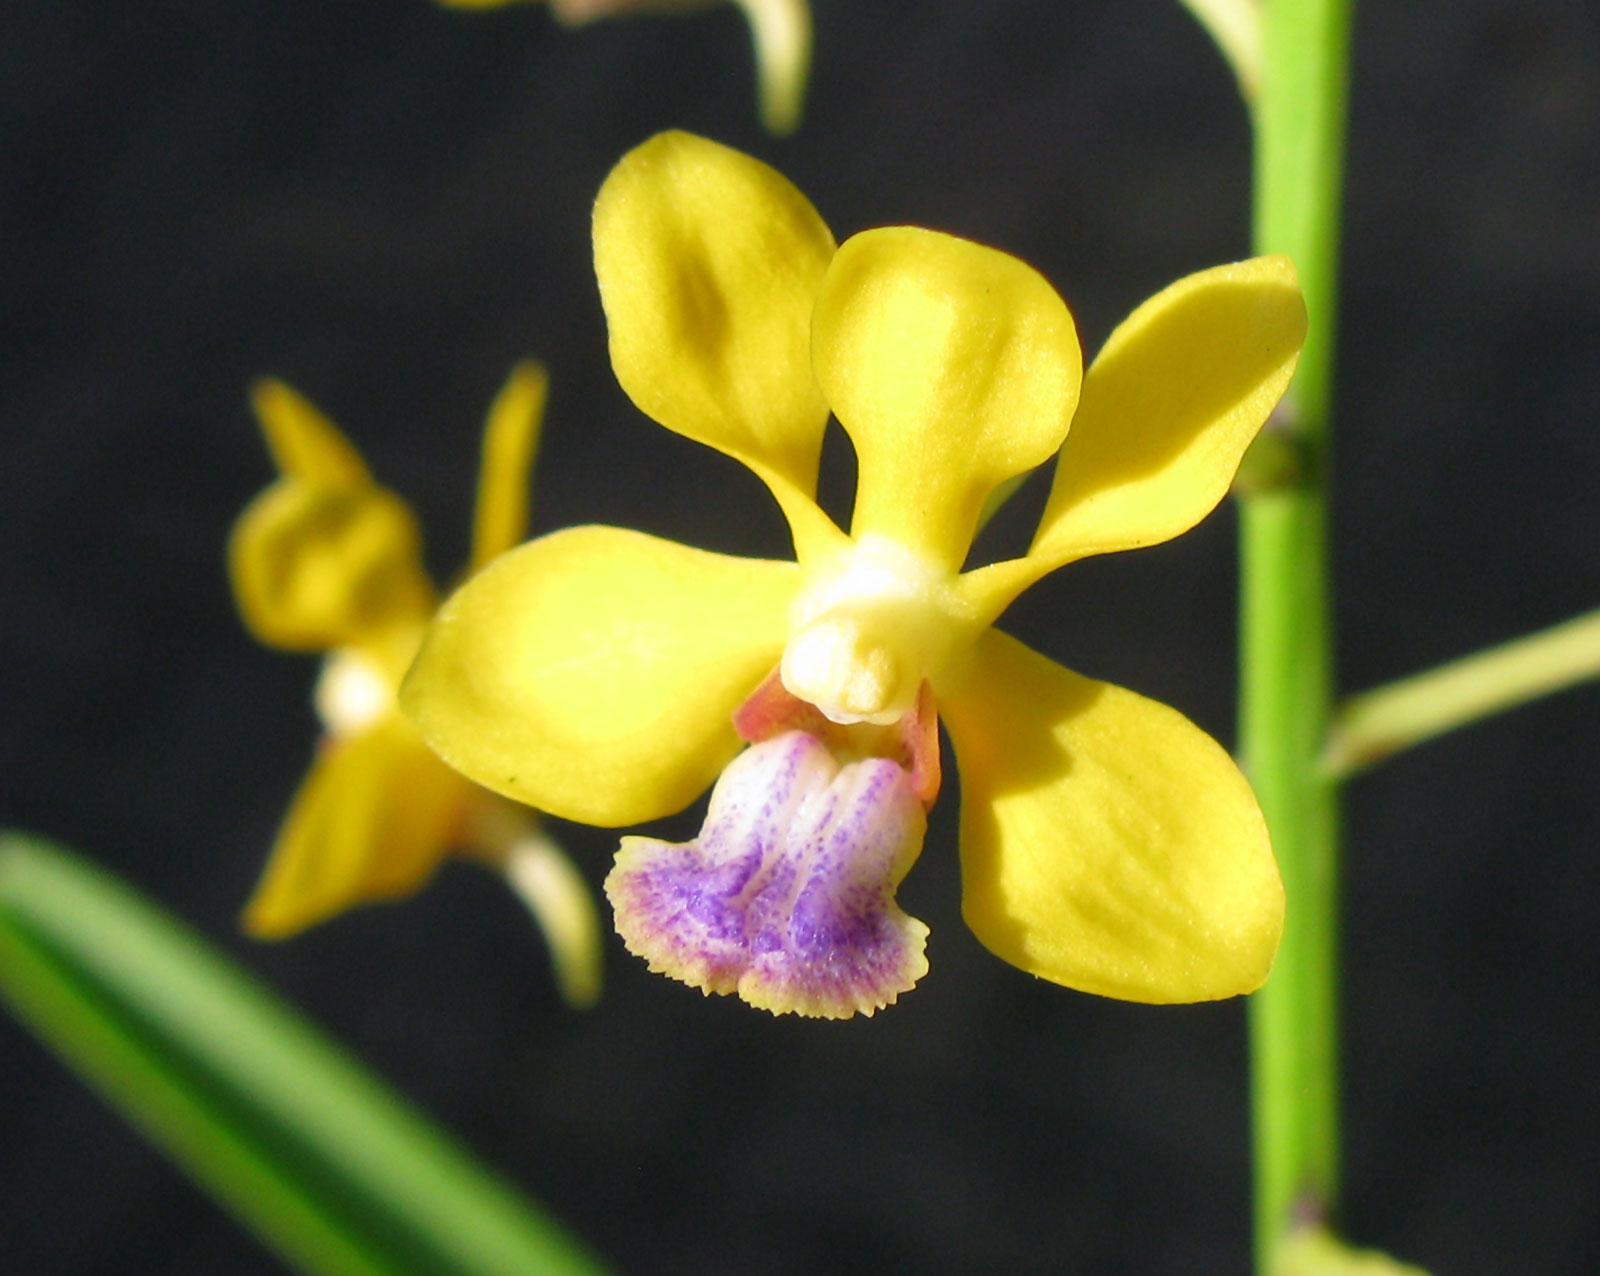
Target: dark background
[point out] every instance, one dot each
(387, 204)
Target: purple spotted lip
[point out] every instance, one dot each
(787, 896)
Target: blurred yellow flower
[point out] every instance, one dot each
(1107, 843)
(326, 560)
(779, 29)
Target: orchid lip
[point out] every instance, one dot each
(787, 896)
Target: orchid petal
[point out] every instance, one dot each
(317, 567)
(593, 673)
(1107, 843)
(372, 821)
(1169, 406)
(510, 442)
(709, 263)
(305, 444)
(952, 367)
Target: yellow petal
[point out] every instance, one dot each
(709, 263)
(952, 366)
(372, 821)
(510, 442)
(593, 673)
(317, 567)
(1169, 407)
(1107, 843)
(304, 443)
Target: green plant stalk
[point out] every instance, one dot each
(1380, 722)
(1286, 630)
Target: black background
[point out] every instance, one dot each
(387, 204)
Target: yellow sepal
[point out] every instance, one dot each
(316, 567)
(1107, 843)
(324, 557)
(372, 821)
(1169, 407)
(304, 443)
(952, 367)
(709, 263)
(510, 443)
(593, 673)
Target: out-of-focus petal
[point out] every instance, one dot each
(709, 264)
(371, 822)
(781, 31)
(1169, 406)
(304, 443)
(593, 673)
(562, 904)
(510, 442)
(316, 567)
(1107, 843)
(952, 366)
(576, 13)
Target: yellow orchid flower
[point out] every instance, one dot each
(327, 560)
(607, 676)
(779, 29)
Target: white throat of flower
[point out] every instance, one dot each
(869, 625)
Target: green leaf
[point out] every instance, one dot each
(330, 1167)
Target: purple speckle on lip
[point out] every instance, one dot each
(787, 895)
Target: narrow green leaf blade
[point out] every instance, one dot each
(330, 1167)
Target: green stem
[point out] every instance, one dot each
(1397, 715)
(1287, 633)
